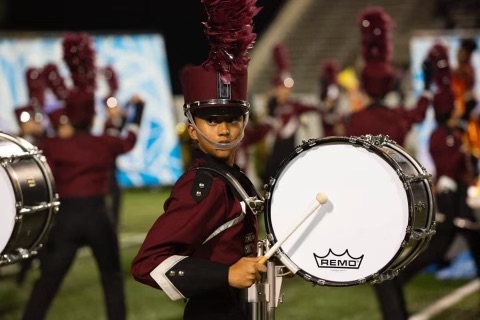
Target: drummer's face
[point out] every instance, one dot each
(219, 129)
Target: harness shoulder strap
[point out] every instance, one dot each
(255, 203)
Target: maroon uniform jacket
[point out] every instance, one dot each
(287, 115)
(179, 254)
(72, 159)
(449, 156)
(378, 119)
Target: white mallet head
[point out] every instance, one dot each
(321, 198)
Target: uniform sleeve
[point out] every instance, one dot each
(450, 160)
(303, 108)
(418, 113)
(122, 143)
(167, 259)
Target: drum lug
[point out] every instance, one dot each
(267, 194)
(306, 143)
(377, 140)
(418, 178)
(423, 233)
(387, 275)
(420, 207)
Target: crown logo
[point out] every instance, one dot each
(338, 261)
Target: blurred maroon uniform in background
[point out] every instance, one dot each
(286, 113)
(81, 165)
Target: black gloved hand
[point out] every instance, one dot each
(139, 107)
(428, 72)
(470, 104)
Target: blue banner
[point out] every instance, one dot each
(141, 65)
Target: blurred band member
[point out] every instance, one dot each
(82, 166)
(285, 111)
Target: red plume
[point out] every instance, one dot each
(79, 56)
(229, 30)
(378, 76)
(55, 81)
(282, 61)
(112, 80)
(35, 86)
(329, 70)
(375, 25)
(442, 75)
(281, 57)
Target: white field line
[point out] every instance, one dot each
(447, 301)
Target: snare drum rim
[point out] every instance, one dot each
(19, 141)
(306, 145)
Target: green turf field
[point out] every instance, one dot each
(80, 297)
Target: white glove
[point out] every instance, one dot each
(446, 184)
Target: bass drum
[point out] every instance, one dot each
(379, 215)
(28, 197)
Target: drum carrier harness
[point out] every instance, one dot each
(254, 203)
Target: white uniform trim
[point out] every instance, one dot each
(159, 275)
(230, 223)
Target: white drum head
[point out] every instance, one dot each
(8, 212)
(361, 227)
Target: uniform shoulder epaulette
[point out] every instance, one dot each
(201, 185)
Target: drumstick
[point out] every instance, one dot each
(320, 199)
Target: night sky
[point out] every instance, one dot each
(178, 21)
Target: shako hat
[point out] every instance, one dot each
(377, 76)
(444, 97)
(282, 62)
(58, 117)
(329, 69)
(79, 55)
(27, 113)
(219, 85)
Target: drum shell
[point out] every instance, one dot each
(35, 199)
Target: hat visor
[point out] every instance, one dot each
(218, 107)
(210, 111)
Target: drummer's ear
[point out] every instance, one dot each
(192, 131)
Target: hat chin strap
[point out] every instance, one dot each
(218, 145)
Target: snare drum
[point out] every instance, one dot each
(28, 196)
(379, 215)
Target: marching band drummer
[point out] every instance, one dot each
(203, 247)
(286, 112)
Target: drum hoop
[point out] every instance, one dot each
(31, 152)
(19, 141)
(369, 146)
